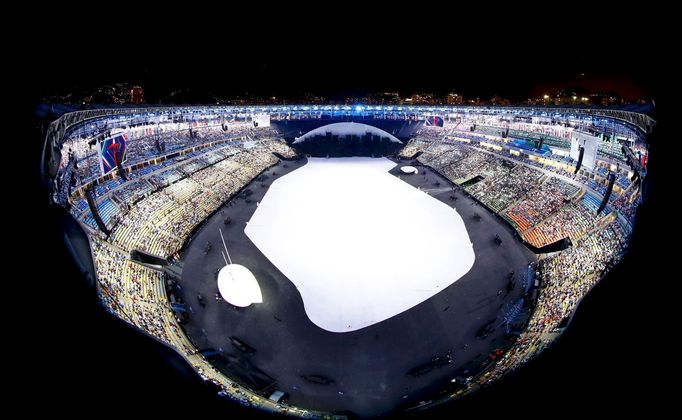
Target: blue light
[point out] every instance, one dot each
(358, 108)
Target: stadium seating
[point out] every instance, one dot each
(157, 223)
(169, 192)
(566, 278)
(540, 203)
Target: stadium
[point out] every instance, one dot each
(333, 261)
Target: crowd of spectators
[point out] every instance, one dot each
(157, 224)
(472, 164)
(555, 133)
(566, 278)
(160, 223)
(165, 203)
(114, 196)
(540, 203)
(627, 204)
(571, 221)
(560, 163)
(459, 156)
(137, 294)
(81, 159)
(506, 187)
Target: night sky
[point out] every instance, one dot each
(354, 70)
(515, 62)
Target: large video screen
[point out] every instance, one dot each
(589, 143)
(261, 120)
(434, 121)
(112, 151)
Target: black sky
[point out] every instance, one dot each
(335, 59)
(350, 70)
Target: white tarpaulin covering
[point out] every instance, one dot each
(360, 245)
(238, 286)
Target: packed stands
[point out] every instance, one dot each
(540, 203)
(108, 211)
(566, 278)
(82, 159)
(486, 174)
(506, 187)
(138, 295)
(161, 216)
(570, 221)
(132, 191)
(168, 204)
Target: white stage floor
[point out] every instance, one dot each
(360, 245)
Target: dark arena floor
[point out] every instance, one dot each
(367, 369)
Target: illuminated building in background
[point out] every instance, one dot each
(136, 94)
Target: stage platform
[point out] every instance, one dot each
(337, 229)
